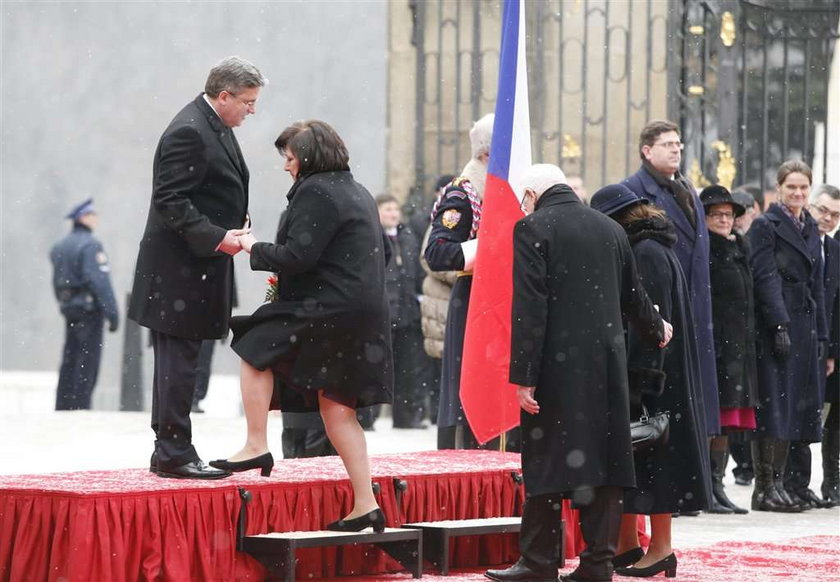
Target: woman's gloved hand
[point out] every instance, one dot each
(781, 342)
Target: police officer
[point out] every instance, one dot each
(82, 286)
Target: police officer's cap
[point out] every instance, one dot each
(79, 211)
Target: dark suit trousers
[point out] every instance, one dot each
(79, 362)
(202, 377)
(176, 362)
(798, 471)
(599, 523)
(539, 538)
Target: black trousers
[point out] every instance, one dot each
(79, 362)
(202, 375)
(600, 519)
(739, 448)
(173, 385)
(798, 471)
(304, 436)
(412, 376)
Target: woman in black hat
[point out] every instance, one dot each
(733, 309)
(671, 476)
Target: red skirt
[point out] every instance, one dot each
(738, 418)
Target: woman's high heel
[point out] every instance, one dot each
(374, 519)
(264, 462)
(628, 558)
(668, 564)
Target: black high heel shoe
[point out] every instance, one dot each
(374, 519)
(668, 564)
(628, 558)
(264, 462)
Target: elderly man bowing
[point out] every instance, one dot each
(574, 280)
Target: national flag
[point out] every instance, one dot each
(489, 400)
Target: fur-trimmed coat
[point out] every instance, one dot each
(672, 476)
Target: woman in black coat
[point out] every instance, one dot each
(787, 269)
(672, 476)
(327, 336)
(733, 314)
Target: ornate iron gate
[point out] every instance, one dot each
(746, 80)
(753, 85)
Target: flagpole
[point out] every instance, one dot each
(503, 442)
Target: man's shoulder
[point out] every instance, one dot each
(190, 117)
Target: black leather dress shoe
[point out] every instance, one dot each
(519, 572)
(193, 470)
(806, 496)
(668, 564)
(153, 462)
(580, 575)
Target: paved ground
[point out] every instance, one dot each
(39, 440)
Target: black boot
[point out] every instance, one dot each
(718, 459)
(765, 497)
(781, 449)
(716, 506)
(831, 458)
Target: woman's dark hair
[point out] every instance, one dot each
(629, 215)
(793, 167)
(316, 145)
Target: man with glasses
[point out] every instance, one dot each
(660, 181)
(183, 282)
(825, 208)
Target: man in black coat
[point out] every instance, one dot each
(574, 280)
(403, 286)
(82, 285)
(183, 282)
(825, 208)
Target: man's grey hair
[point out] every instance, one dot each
(541, 177)
(233, 74)
(832, 191)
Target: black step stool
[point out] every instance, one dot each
(276, 551)
(436, 536)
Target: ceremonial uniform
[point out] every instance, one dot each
(455, 220)
(82, 285)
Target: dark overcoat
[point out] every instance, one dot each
(672, 476)
(182, 285)
(404, 279)
(831, 272)
(788, 274)
(330, 327)
(573, 278)
(692, 251)
(733, 312)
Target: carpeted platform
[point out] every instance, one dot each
(132, 525)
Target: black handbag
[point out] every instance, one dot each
(649, 430)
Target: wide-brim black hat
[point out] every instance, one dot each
(613, 197)
(713, 195)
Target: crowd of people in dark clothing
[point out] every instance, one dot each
(716, 309)
(751, 288)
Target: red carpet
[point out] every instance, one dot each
(811, 559)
